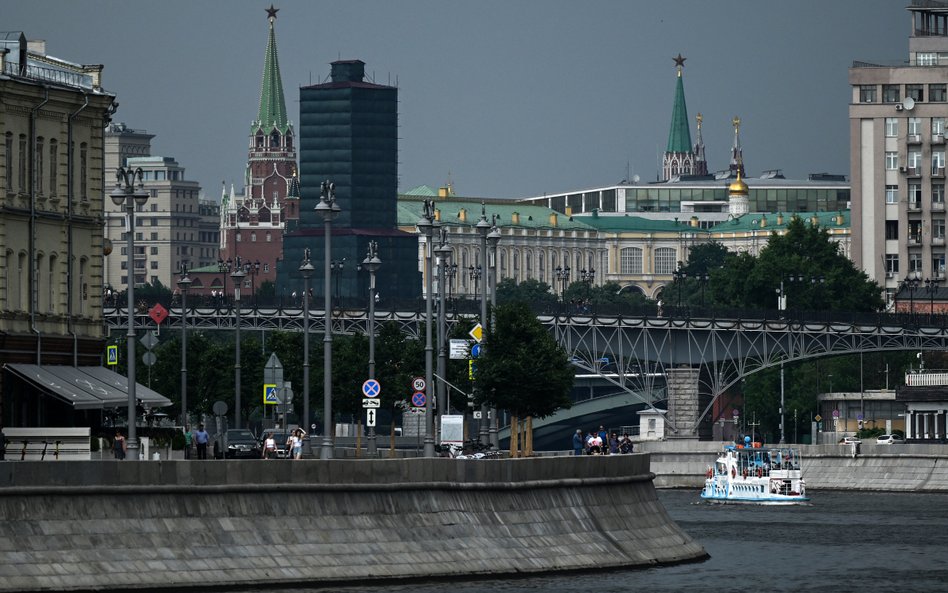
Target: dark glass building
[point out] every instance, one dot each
(348, 134)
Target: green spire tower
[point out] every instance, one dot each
(679, 156)
(272, 114)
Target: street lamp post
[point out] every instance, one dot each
(372, 263)
(483, 228)
(493, 238)
(224, 268)
(443, 252)
(328, 209)
(911, 282)
(252, 268)
(130, 196)
(703, 278)
(588, 277)
(562, 274)
(427, 225)
(306, 271)
(184, 284)
(452, 272)
(679, 275)
(932, 286)
(474, 273)
(238, 276)
(337, 267)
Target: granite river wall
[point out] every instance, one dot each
(178, 525)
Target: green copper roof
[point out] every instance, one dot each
(626, 223)
(272, 104)
(679, 136)
(421, 190)
(758, 221)
(530, 217)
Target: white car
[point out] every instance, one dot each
(850, 441)
(889, 439)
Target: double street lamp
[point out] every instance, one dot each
(679, 275)
(238, 277)
(443, 252)
(372, 263)
(127, 194)
(306, 271)
(474, 274)
(427, 225)
(483, 229)
(184, 284)
(328, 209)
(493, 238)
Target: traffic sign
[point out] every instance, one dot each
(835, 413)
(735, 413)
(818, 418)
(149, 340)
(270, 394)
(371, 388)
(370, 417)
(149, 358)
(112, 355)
(418, 384)
(158, 313)
(470, 369)
(371, 402)
(477, 414)
(460, 349)
(477, 332)
(475, 350)
(418, 399)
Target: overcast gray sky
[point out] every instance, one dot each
(503, 98)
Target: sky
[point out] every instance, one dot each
(501, 99)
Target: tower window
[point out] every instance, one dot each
(937, 93)
(867, 93)
(891, 93)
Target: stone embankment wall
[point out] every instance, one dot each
(910, 468)
(169, 525)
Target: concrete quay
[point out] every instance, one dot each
(896, 468)
(177, 525)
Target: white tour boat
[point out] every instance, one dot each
(756, 474)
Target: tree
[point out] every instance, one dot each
(522, 368)
(528, 291)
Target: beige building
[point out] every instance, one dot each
(175, 227)
(897, 141)
(52, 116)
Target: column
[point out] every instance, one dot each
(683, 406)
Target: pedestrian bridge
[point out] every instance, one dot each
(695, 358)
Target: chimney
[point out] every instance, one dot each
(515, 218)
(694, 221)
(763, 221)
(569, 211)
(462, 215)
(443, 191)
(553, 219)
(839, 219)
(780, 218)
(438, 214)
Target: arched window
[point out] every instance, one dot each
(664, 260)
(463, 270)
(289, 141)
(83, 172)
(8, 160)
(503, 263)
(541, 266)
(53, 165)
(630, 260)
(516, 265)
(38, 174)
(528, 264)
(253, 237)
(21, 165)
(259, 141)
(275, 140)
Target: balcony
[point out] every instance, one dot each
(938, 206)
(914, 240)
(911, 171)
(915, 205)
(914, 139)
(938, 138)
(938, 241)
(938, 171)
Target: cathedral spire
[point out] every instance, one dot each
(737, 153)
(679, 158)
(701, 163)
(272, 112)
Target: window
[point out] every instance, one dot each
(53, 165)
(938, 228)
(915, 91)
(83, 179)
(915, 126)
(915, 159)
(266, 268)
(630, 260)
(269, 237)
(892, 263)
(891, 230)
(38, 177)
(938, 126)
(891, 127)
(915, 193)
(891, 161)
(664, 260)
(154, 265)
(253, 237)
(8, 160)
(926, 58)
(21, 165)
(937, 93)
(938, 264)
(891, 194)
(938, 162)
(915, 262)
(154, 250)
(867, 93)
(938, 193)
(891, 93)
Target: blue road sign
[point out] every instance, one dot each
(371, 388)
(475, 350)
(112, 355)
(270, 394)
(418, 399)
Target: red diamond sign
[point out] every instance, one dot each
(158, 313)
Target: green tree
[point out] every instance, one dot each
(528, 291)
(522, 368)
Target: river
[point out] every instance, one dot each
(842, 541)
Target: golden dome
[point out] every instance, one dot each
(738, 187)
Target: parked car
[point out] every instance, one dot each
(890, 439)
(850, 441)
(241, 444)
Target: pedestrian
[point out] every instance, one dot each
(614, 444)
(119, 446)
(201, 439)
(188, 439)
(297, 449)
(269, 447)
(578, 442)
(603, 437)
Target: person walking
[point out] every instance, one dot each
(269, 447)
(119, 445)
(201, 439)
(188, 439)
(297, 449)
(578, 442)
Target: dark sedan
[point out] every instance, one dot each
(241, 444)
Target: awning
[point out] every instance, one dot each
(86, 388)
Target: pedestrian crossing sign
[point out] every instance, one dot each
(111, 355)
(270, 394)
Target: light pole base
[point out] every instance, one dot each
(326, 451)
(429, 450)
(131, 450)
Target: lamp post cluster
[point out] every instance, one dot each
(474, 274)
(372, 263)
(680, 275)
(252, 268)
(336, 268)
(127, 194)
(588, 277)
(328, 209)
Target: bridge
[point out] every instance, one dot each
(689, 358)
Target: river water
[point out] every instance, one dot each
(842, 541)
